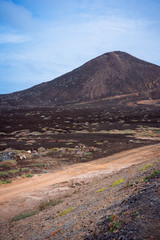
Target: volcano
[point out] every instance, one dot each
(109, 75)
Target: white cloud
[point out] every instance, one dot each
(16, 16)
(56, 50)
(12, 38)
(39, 51)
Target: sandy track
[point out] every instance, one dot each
(12, 195)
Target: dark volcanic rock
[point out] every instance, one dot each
(4, 156)
(111, 74)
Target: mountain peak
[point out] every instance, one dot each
(111, 74)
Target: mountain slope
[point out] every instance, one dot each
(110, 74)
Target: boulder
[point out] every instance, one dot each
(4, 156)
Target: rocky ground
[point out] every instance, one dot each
(29, 129)
(34, 141)
(121, 205)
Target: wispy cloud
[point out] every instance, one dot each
(40, 41)
(15, 15)
(12, 38)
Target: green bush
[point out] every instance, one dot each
(50, 203)
(29, 175)
(101, 190)
(64, 212)
(145, 167)
(117, 182)
(3, 173)
(23, 216)
(37, 165)
(13, 171)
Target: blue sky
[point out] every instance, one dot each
(43, 39)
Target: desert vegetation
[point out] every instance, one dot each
(79, 156)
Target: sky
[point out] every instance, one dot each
(43, 39)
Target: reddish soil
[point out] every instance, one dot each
(26, 188)
(87, 190)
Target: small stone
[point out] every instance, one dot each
(23, 157)
(122, 238)
(54, 232)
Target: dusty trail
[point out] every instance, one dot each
(12, 195)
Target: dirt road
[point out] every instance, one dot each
(20, 194)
